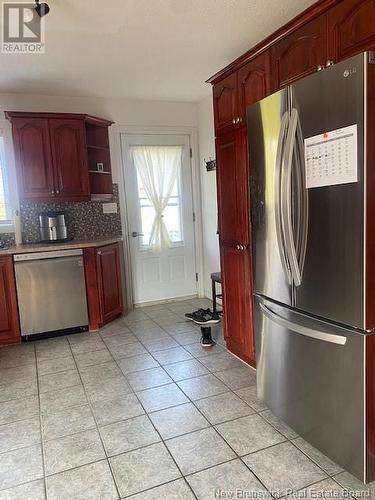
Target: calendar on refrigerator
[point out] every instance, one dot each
(331, 158)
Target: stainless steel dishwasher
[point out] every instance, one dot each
(51, 292)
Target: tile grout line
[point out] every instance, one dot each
(97, 426)
(41, 425)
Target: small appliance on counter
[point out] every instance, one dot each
(53, 228)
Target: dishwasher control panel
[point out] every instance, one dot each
(53, 254)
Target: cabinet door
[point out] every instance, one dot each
(232, 185)
(300, 53)
(109, 282)
(9, 321)
(351, 28)
(225, 103)
(237, 294)
(33, 158)
(69, 158)
(253, 83)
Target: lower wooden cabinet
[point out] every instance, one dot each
(9, 320)
(104, 284)
(237, 297)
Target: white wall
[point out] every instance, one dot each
(206, 138)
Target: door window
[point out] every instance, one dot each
(158, 172)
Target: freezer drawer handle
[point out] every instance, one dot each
(303, 330)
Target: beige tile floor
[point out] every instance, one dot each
(142, 411)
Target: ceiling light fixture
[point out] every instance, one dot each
(42, 9)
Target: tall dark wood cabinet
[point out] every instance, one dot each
(9, 320)
(252, 83)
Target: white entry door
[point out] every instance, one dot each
(158, 184)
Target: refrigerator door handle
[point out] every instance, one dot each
(278, 178)
(286, 200)
(303, 330)
(303, 196)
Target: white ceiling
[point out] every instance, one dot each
(142, 49)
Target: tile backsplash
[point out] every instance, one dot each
(85, 219)
(6, 240)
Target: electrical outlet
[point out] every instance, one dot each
(109, 208)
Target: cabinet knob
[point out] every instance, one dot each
(329, 63)
(52, 191)
(57, 191)
(99, 253)
(234, 121)
(320, 67)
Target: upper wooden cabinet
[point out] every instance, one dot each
(9, 320)
(253, 82)
(301, 53)
(53, 159)
(242, 88)
(226, 103)
(33, 159)
(351, 27)
(69, 157)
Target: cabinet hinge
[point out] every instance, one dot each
(191, 152)
(196, 277)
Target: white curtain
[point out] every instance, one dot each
(158, 167)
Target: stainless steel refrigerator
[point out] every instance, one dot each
(311, 158)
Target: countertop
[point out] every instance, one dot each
(69, 245)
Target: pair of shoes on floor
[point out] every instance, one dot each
(204, 317)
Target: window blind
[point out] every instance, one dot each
(5, 206)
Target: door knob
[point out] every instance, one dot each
(135, 234)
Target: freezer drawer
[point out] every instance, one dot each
(311, 375)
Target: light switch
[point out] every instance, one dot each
(109, 208)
